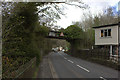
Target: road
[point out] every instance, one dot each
(66, 66)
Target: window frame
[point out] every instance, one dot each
(105, 32)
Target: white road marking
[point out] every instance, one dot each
(70, 61)
(83, 68)
(102, 78)
(65, 58)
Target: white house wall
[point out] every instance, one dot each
(113, 40)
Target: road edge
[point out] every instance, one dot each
(53, 72)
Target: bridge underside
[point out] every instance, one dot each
(63, 38)
(53, 37)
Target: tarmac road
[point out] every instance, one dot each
(66, 66)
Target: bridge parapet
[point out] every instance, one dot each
(56, 35)
(60, 35)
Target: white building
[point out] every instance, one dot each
(108, 35)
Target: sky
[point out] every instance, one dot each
(76, 14)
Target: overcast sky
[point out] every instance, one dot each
(76, 14)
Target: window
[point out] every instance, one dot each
(106, 33)
(109, 32)
(101, 33)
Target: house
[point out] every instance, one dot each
(108, 36)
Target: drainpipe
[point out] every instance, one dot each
(119, 53)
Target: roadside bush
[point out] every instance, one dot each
(21, 42)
